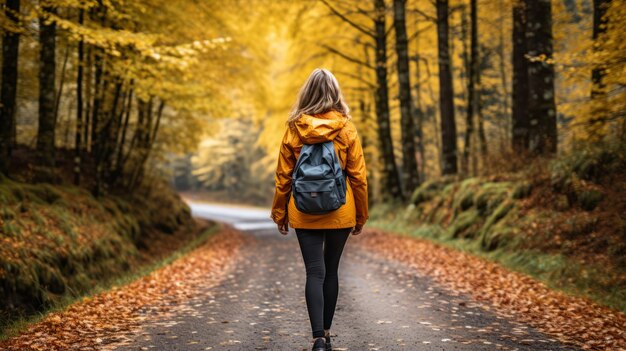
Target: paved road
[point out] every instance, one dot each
(382, 305)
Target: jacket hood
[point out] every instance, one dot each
(314, 129)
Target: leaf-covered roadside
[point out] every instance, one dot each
(59, 242)
(569, 319)
(108, 317)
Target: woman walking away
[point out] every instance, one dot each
(321, 191)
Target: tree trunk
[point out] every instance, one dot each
(156, 126)
(409, 164)
(99, 83)
(59, 93)
(418, 113)
(145, 140)
(542, 107)
(10, 55)
(446, 93)
(78, 151)
(116, 115)
(119, 163)
(520, 118)
(598, 87)
(472, 95)
(392, 189)
(151, 139)
(482, 138)
(434, 114)
(135, 148)
(365, 142)
(47, 65)
(121, 124)
(66, 134)
(503, 78)
(103, 154)
(88, 82)
(98, 95)
(137, 135)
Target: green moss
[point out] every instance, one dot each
(490, 235)
(43, 193)
(498, 236)
(579, 226)
(522, 190)
(561, 203)
(7, 214)
(464, 196)
(465, 220)
(38, 217)
(502, 210)
(491, 195)
(590, 199)
(467, 201)
(425, 192)
(11, 229)
(590, 163)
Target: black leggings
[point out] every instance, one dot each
(321, 251)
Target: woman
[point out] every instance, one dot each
(319, 115)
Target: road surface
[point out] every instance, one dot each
(383, 305)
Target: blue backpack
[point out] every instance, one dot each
(318, 182)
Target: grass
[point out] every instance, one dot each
(16, 326)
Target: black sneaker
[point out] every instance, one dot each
(319, 345)
(329, 346)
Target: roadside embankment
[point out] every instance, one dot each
(560, 222)
(58, 242)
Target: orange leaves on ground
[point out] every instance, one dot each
(112, 316)
(569, 319)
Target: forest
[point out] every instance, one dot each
(459, 86)
(502, 91)
(495, 127)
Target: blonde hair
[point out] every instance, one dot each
(319, 94)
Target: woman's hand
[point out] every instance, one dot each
(284, 228)
(357, 229)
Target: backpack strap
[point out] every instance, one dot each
(300, 159)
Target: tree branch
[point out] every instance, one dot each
(357, 77)
(423, 14)
(593, 121)
(418, 32)
(363, 12)
(346, 57)
(389, 30)
(347, 20)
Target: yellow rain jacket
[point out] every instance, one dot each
(316, 129)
